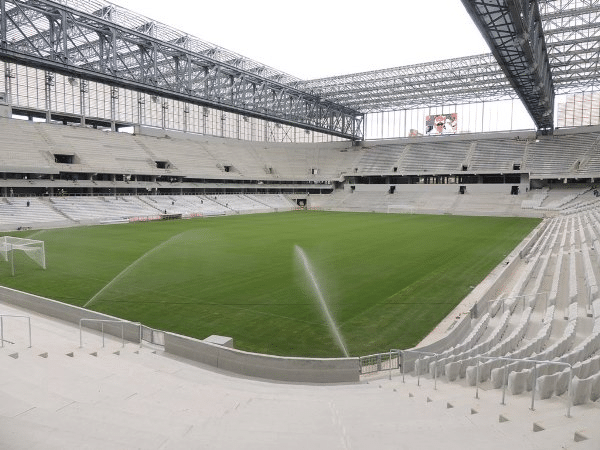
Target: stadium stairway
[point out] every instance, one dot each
(56, 395)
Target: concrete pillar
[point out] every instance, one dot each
(5, 111)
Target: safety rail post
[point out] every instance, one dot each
(533, 386)
(523, 299)
(402, 352)
(102, 322)
(477, 379)
(504, 382)
(570, 391)
(435, 374)
(402, 357)
(2, 316)
(535, 363)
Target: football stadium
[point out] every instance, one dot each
(202, 251)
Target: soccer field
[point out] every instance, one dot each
(388, 279)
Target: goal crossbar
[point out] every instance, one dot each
(32, 248)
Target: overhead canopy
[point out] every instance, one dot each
(99, 41)
(513, 30)
(572, 39)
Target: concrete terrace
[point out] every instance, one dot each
(56, 395)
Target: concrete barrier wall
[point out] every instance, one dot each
(438, 189)
(303, 370)
(68, 313)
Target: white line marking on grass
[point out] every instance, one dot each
(131, 266)
(35, 234)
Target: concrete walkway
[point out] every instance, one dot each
(56, 395)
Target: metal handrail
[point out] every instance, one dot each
(2, 316)
(417, 352)
(102, 322)
(524, 297)
(535, 363)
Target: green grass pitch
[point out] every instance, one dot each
(389, 279)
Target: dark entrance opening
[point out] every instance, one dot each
(64, 159)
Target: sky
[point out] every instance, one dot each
(312, 39)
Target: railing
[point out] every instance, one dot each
(535, 364)
(102, 322)
(379, 361)
(394, 359)
(419, 353)
(522, 299)
(2, 316)
(152, 336)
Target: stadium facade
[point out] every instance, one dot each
(96, 65)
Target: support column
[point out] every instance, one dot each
(8, 76)
(186, 113)
(82, 91)
(49, 82)
(165, 107)
(114, 96)
(141, 111)
(3, 41)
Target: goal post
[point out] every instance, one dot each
(32, 249)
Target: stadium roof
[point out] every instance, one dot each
(114, 45)
(572, 32)
(97, 40)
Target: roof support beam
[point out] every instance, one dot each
(113, 47)
(513, 30)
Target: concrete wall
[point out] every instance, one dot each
(5, 110)
(68, 313)
(439, 189)
(303, 370)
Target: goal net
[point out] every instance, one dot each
(30, 247)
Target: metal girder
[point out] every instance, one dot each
(572, 32)
(98, 41)
(513, 30)
(110, 44)
(453, 81)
